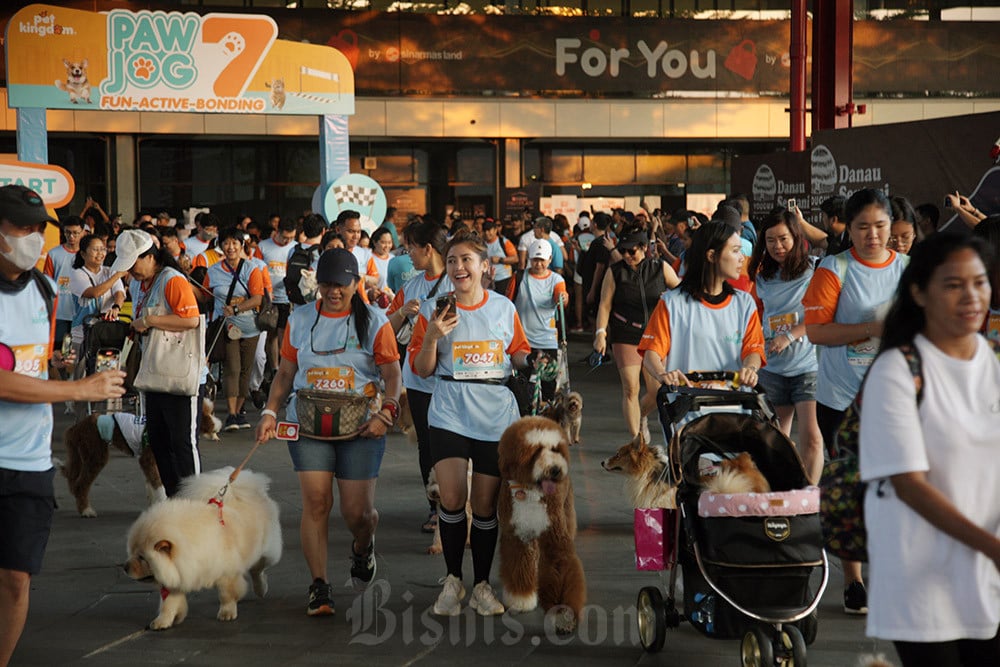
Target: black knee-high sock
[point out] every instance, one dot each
(483, 539)
(453, 525)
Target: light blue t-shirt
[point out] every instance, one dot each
(26, 436)
(783, 310)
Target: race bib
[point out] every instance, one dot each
(782, 324)
(31, 360)
(478, 360)
(862, 353)
(993, 327)
(339, 378)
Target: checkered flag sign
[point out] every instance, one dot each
(358, 195)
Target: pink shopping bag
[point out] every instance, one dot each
(654, 538)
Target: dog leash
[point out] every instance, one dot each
(217, 499)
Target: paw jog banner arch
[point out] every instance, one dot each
(173, 62)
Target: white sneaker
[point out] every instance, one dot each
(449, 602)
(484, 600)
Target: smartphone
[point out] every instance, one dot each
(107, 360)
(443, 303)
(790, 205)
(947, 202)
(67, 345)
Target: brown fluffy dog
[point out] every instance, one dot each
(645, 474)
(87, 453)
(186, 544)
(538, 561)
(738, 475)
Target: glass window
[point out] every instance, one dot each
(561, 165)
(660, 168)
(609, 165)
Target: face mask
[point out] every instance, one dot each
(208, 236)
(25, 250)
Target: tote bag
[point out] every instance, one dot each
(171, 361)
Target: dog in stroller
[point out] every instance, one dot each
(747, 558)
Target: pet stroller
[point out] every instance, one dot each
(747, 559)
(103, 343)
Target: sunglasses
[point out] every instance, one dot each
(339, 350)
(631, 251)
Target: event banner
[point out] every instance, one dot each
(921, 160)
(120, 60)
(415, 54)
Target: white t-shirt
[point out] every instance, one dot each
(528, 238)
(926, 586)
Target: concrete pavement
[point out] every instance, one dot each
(86, 611)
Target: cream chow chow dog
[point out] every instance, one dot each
(186, 544)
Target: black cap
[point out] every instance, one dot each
(23, 206)
(634, 239)
(337, 266)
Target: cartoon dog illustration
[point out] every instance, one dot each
(76, 83)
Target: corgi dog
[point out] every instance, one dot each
(645, 474)
(737, 475)
(76, 83)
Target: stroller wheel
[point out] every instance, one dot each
(793, 643)
(756, 649)
(652, 619)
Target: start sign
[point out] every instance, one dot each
(52, 183)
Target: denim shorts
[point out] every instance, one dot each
(788, 390)
(347, 459)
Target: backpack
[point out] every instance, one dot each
(301, 258)
(45, 288)
(842, 493)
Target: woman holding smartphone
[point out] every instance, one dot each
(469, 340)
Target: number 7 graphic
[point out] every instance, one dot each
(246, 39)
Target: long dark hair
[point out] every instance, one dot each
(905, 318)
(796, 263)
(359, 309)
(84, 244)
(700, 272)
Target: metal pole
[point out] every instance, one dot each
(797, 84)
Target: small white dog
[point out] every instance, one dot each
(186, 544)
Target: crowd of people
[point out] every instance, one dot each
(446, 312)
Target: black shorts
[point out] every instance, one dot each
(27, 502)
(283, 310)
(447, 444)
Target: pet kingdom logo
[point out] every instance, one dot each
(44, 24)
(172, 61)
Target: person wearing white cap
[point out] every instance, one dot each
(538, 297)
(163, 300)
(27, 313)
